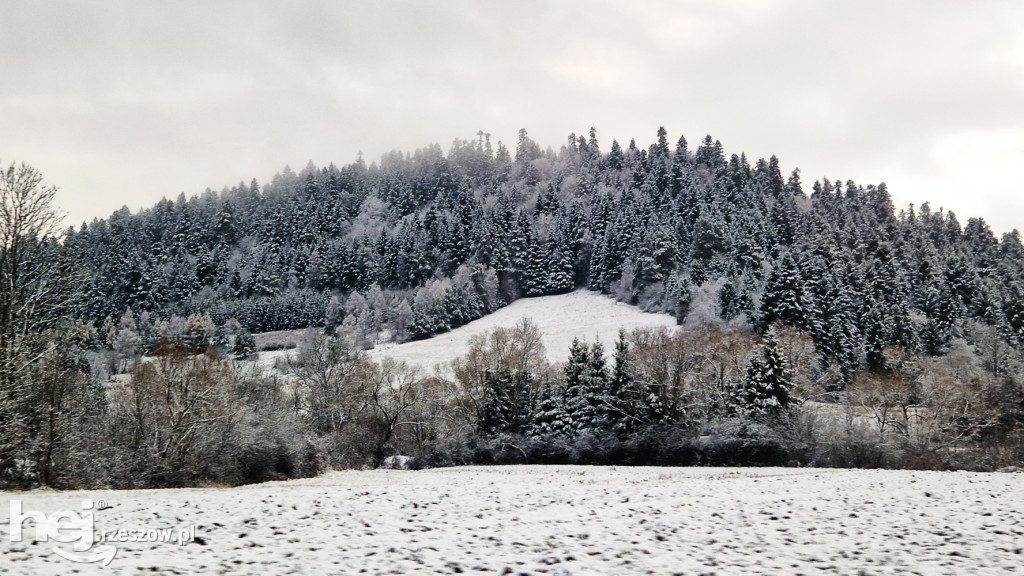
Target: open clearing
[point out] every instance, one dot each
(583, 314)
(563, 520)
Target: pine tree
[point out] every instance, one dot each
(535, 274)
(765, 390)
(839, 338)
(876, 336)
(244, 345)
(728, 301)
(678, 293)
(597, 404)
(784, 299)
(560, 275)
(508, 408)
(587, 400)
(635, 403)
(526, 150)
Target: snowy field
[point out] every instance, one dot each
(562, 520)
(583, 314)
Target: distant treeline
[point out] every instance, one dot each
(908, 327)
(442, 239)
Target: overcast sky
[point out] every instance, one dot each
(122, 103)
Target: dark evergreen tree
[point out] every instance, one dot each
(765, 390)
(784, 297)
(634, 402)
(244, 344)
(508, 407)
(728, 301)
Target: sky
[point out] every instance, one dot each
(120, 103)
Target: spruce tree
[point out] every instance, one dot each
(784, 299)
(507, 408)
(560, 274)
(244, 345)
(765, 389)
(635, 403)
(728, 301)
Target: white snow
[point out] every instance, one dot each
(584, 314)
(562, 520)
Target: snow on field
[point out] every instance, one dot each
(562, 520)
(583, 314)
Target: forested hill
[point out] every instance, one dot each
(425, 241)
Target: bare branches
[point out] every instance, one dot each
(176, 409)
(26, 207)
(37, 282)
(325, 372)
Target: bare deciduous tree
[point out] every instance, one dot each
(393, 394)
(178, 411)
(36, 287)
(327, 373)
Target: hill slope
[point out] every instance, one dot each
(425, 241)
(583, 314)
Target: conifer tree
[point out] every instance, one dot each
(508, 406)
(560, 275)
(728, 301)
(765, 389)
(784, 299)
(244, 345)
(635, 402)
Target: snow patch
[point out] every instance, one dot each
(582, 314)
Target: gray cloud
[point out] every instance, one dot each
(125, 102)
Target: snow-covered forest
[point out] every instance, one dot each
(803, 314)
(423, 242)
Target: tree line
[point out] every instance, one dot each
(886, 303)
(420, 243)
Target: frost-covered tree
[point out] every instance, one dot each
(37, 288)
(635, 400)
(728, 301)
(765, 389)
(429, 314)
(508, 406)
(244, 344)
(587, 399)
(784, 296)
(127, 343)
(334, 316)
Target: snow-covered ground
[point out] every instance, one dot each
(562, 520)
(584, 314)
